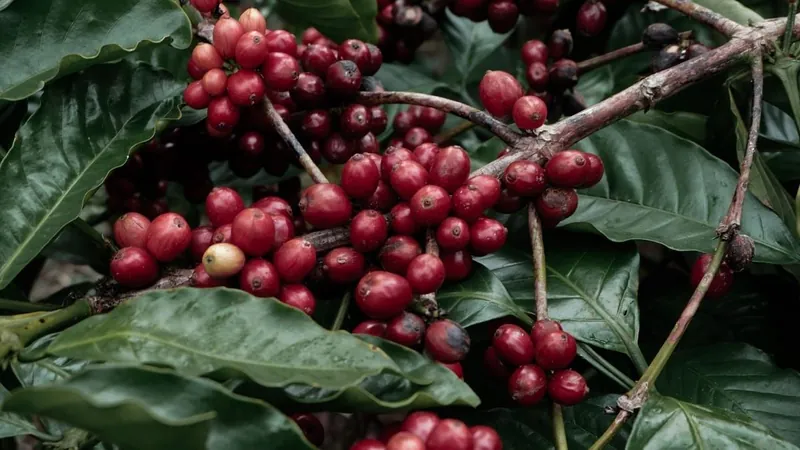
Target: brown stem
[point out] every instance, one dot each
(704, 15)
(597, 61)
(539, 267)
(449, 134)
(289, 138)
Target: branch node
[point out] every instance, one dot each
(635, 400)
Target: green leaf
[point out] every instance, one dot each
(596, 85)
(471, 44)
(661, 188)
(738, 378)
(84, 128)
(480, 298)
(778, 130)
(166, 57)
(665, 422)
(688, 125)
(151, 409)
(13, 424)
(732, 9)
(336, 19)
(43, 39)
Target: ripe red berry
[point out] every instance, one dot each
(343, 79)
(555, 350)
(222, 235)
(282, 41)
(195, 95)
(591, 18)
(498, 92)
(360, 176)
(447, 341)
(542, 328)
(527, 385)
(253, 231)
(343, 265)
(450, 168)
(381, 295)
(538, 78)
(168, 236)
(567, 169)
(280, 71)
(371, 327)
(416, 137)
(311, 426)
(317, 124)
(524, 178)
(494, 365)
(368, 444)
(368, 144)
(223, 114)
(431, 119)
(206, 57)
(556, 204)
(534, 51)
(259, 278)
(449, 434)
(194, 71)
(485, 438)
(383, 199)
(486, 236)
(468, 202)
(252, 20)
(404, 121)
(202, 238)
(567, 387)
(298, 296)
(227, 32)
(407, 177)
(201, 278)
(205, 6)
(401, 221)
(457, 265)
(215, 82)
(722, 281)
(222, 205)
(425, 154)
(405, 329)
(130, 230)
(452, 234)
(425, 273)
(375, 60)
(295, 259)
(405, 441)
(430, 205)
(133, 267)
(391, 157)
(368, 231)
(309, 91)
(325, 206)
(354, 121)
(503, 15)
(251, 50)
(318, 58)
(563, 74)
(378, 119)
(223, 260)
(338, 149)
(529, 112)
(274, 205)
(420, 423)
(398, 252)
(513, 345)
(595, 170)
(356, 51)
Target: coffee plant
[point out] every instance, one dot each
(399, 224)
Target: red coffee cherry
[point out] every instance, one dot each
(489, 187)
(449, 434)
(591, 18)
(494, 365)
(567, 387)
(298, 296)
(555, 350)
(560, 44)
(259, 277)
(282, 41)
(309, 91)
(195, 95)
(311, 426)
(368, 444)
(407, 177)
(455, 368)
(524, 178)
(452, 234)
(356, 51)
(168, 236)
(284, 229)
(416, 137)
(425, 273)
(513, 345)
(378, 119)
(222, 235)
(130, 230)
(450, 168)
(223, 115)
(317, 124)
(404, 121)
(227, 32)
(430, 205)
(485, 438)
(222, 205)
(406, 329)
(722, 281)
(344, 265)
(420, 423)
(280, 71)
(401, 221)
(371, 327)
(274, 205)
(486, 236)
(360, 176)
(381, 295)
(205, 6)
(194, 71)
(343, 79)
(252, 20)
(529, 112)
(498, 92)
(245, 88)
(447, 341)
(337, 149)
(457, 265)
(201, 278)
(310, 35)
(206, 57)
(425, 154)
(405, 441)
(369, 144)
(354, 121)
(318, 58)
(468, 202)
(595, 170)
(556, 204)
(215, 82)
(542, 328)
(133, 267)
(383, 199)
(527, 385)
(223, 260)
(538, 78)
(503, 16)
(534, 51)
(253, 232)
(202, 238)
(375, 60)
(368, 231)
(391, 157)
(325, 206)
(431, 119)
(398, 252)
(295, 259)
(567, 169)
(562, 75)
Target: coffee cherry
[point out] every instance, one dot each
(524, 178)
(194, 71)
(591, 18)
(368, 444)
(168, 236)
(406, 329)
(282, 41)
(556, 204)
(223, 260)
(659, 35)
(425, 154)
(222, 205)
(405, 441)
(567, 169)
(560, 44)
(338, 149)
(563, 74)
(205, 6)
(450, 168)
(594, 170)
(494, 365)
(430, 119)
(317, 124)
(311, 426)
(356, 51)
(538, 77)
(309, 91)
(513, 345)
(133, 267)
(343, 79)
(416, 137)
(371, 327)
(360, 176)
(325, 206)
(252, 20)
(223, 114)
(498, 92)
(274, 205)
(400, 220)
(449, 434)
(447, 341)
(503, 16)
(222, 235)
(245, 88)
(425, 273)
(317, 59)
(354, 121)
(215, 82)
(420, 423)
(542, 328)
(457, 265)
(280, 71)
(253, 232)
(195, 96)
(343, 265)
(666, 58)
(485, 438)
(298, 296)
(201, 279)
(567, 387)
(741, 250)
(407, 177)
(529, 112)
(555, 350)
(251, 50)
(486, 236)
(696, 50)
(368, 144)
(534, 51)
(259, 277)
(430, 205)
(722, 281)
(452, 234)
(227, 32)
(403, 122)
(381, 295)
(368, 231)
(383, 199)
(201, 239)
(206, 57)
(295, 259)
(398, 252)
(527, 385)
(391, 157)
(130, 230)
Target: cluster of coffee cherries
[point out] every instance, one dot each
(403, 25)
(424, 430)
(672, 48)
(524, 360)
(416, 126)
(502, 14)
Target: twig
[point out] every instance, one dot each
(539, 266)
(704, 15)
(341, 313)
(597, 61)
(24, 307)
(289, 138)
(449, 134)
(559, 432)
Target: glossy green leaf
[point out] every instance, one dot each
(662, 188)
(732, 9)
(151, 409)
(166, 57)
(596, 85)
(480, 298)
(42, 39)
(691, 126)
(13, 424)
(665, 422)
(336, 19)
(778, 130)
(84, 128)
(471, 44)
